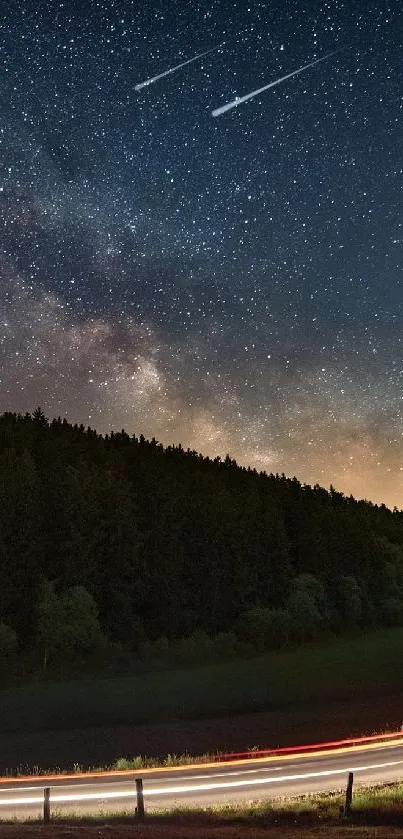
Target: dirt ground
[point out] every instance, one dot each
(198, 832)
(300, 725)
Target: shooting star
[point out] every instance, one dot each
(173, 69)
(240, 99)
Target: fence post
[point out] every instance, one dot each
(46, 805)
(140, 799)
(349, 794)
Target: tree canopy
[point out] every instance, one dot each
(119, 537)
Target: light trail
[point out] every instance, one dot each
(173, 69)
(193, 788)
(239, 100)
(276, 780)
(257, 757)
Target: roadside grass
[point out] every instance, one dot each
(362, 666)
(372, 806)
(121, 764)
(376, 812)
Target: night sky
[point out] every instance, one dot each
(230, 282)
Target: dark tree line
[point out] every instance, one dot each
(160, 542)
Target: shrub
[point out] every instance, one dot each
(8, 641)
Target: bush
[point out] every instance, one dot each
(263, 628)
(349, 600)
(308, 607)
(391, 611)
(122, 763)
(198, 647)
(67, 622)
(160, 649)
(225, 645)
(8, 641)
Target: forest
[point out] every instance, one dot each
(119, 543)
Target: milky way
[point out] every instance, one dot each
(234, 284)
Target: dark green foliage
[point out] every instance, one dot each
(307, 605)
(66, 622)
(169, 545)
(20, 537)
(350, 605)
(8, 643)
(265, 629)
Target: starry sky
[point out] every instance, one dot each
(233, 283)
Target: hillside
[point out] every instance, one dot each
(157, 544)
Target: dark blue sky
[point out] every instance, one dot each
(231, 283)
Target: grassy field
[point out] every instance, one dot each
(352, 668)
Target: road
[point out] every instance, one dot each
(206, 784)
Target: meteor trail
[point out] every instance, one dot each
(240, 99)
(172, 69)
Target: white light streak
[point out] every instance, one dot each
(259, 781)
(240, 99)
(172, 69)
(177, 790)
